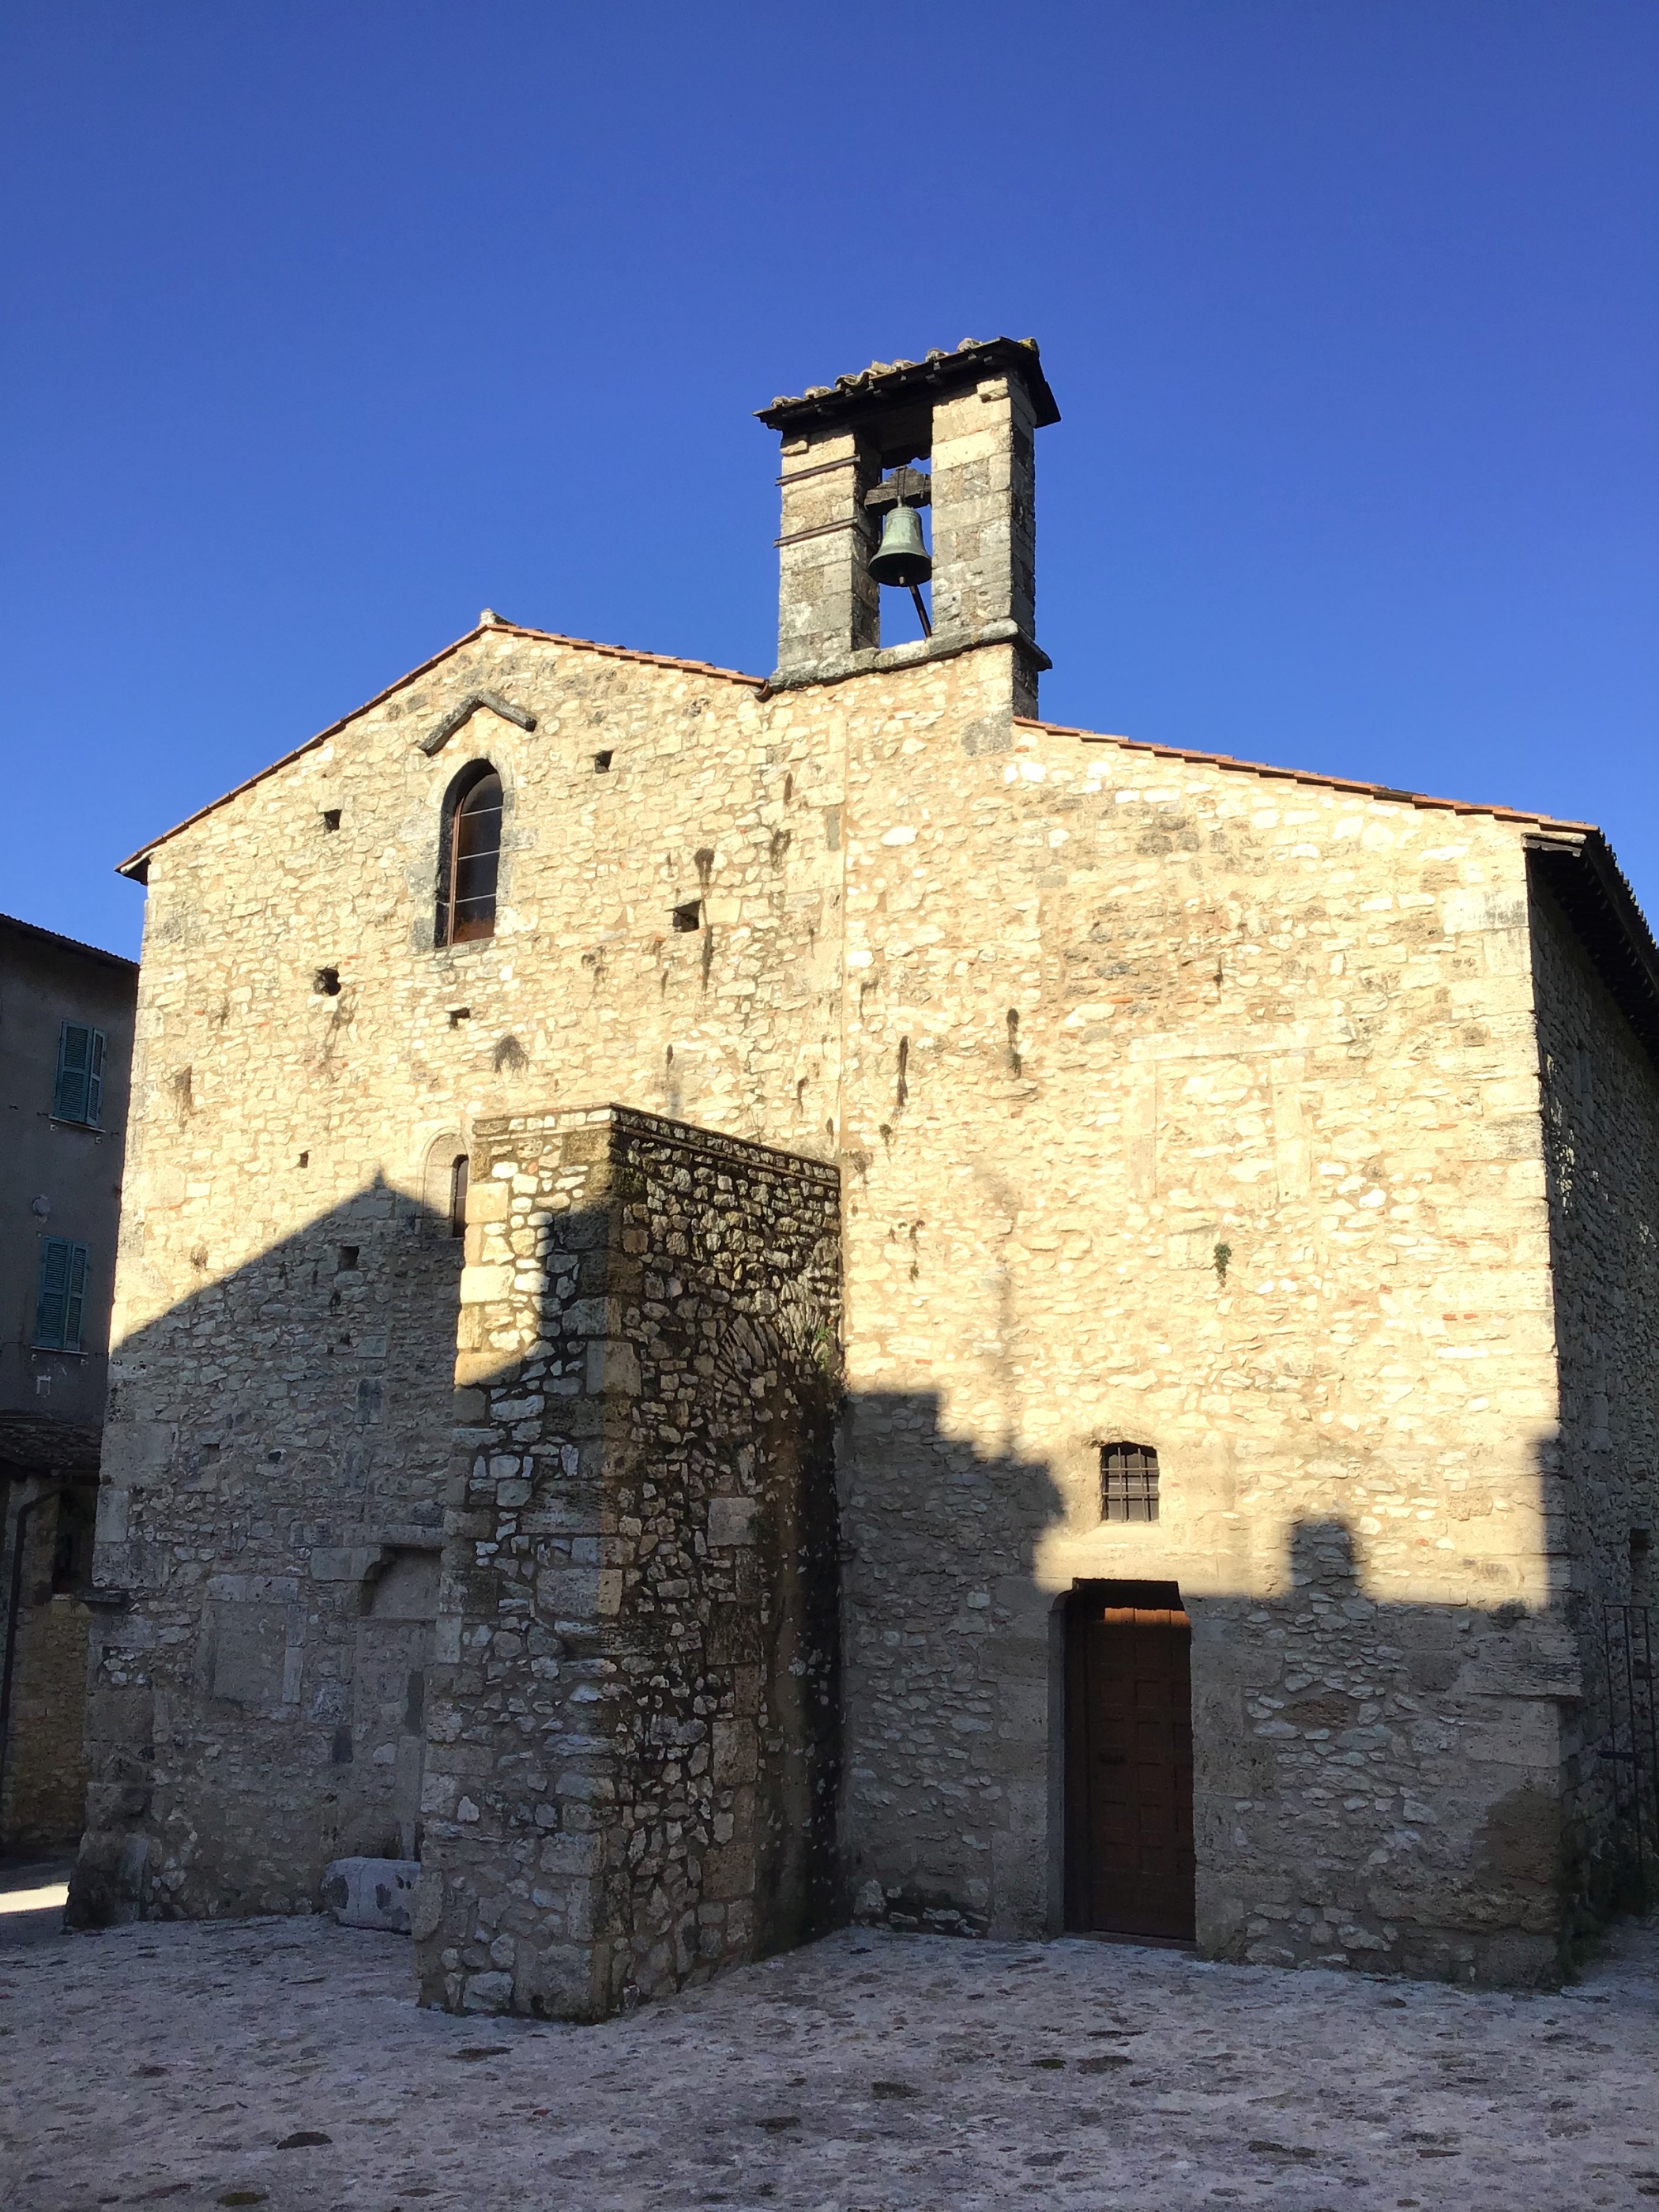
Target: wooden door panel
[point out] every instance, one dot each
(1129, 1779)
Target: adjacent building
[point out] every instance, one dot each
(747, 1299)
(66, 1012)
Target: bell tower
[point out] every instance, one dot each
(852, 493)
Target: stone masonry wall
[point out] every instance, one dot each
(1197, 1108)
(43, 1781)
(276, 1452)
(1601, 1130)
(1176, 1102)
(279, 1421)
(631, 1777)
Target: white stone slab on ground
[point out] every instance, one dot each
(283, 2063)
(372, 1893)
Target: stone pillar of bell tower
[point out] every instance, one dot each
(985, 510)
(969, 417)
(827, 599)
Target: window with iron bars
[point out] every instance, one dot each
(1129, 1482)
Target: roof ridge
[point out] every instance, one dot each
(1309, 775)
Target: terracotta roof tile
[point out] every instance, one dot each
(1308, 775)
(972, 359)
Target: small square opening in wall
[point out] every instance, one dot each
(327, 982)
(457, 1015)
(689, 916)
(331, 817)
(1129, 1482)
(602, 763)
(349, 1255)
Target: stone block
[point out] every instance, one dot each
(372, 1892)
(731, 1520)
(613, 1366)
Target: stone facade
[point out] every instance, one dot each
(1173, 1099)
(631, 1777)
(275, 1467)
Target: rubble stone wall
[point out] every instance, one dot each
(631, 1777)
(279, 1421)
(275, 1461)
(1198, 1109)
(1601, 1133)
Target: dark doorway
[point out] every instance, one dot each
(1128, 1760)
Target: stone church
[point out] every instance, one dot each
(750, 1301)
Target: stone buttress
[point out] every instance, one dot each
(632, 1745)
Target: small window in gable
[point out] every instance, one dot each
(1129, 1482)
(60, 1307)
(472, 856)
(78, 1095)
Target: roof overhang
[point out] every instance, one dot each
(885, 382)
(1577, 867)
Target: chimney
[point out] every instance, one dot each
(967, 418)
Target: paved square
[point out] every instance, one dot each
(284, 2062)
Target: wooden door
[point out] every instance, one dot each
(1129, 1765)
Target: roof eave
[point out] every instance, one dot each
(1578, 867)
(855, 395)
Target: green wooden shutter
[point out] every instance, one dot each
(69, 1101)
(75, 1297)
(79, 1096)
(60, 1310)
(54, 1279)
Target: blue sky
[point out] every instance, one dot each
(328, 325)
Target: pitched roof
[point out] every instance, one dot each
(1575, 858)
(39, 936)
(137, 864)
(973, 359)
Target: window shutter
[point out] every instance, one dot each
(96, 1077)
(54, 1279)
(60, 1310)
(75, 1297)
(74, 1064)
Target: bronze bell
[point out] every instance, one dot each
(902, 557)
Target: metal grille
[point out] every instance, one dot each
(1129, 1483)
(1633, 1741)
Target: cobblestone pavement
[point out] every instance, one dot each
(283, 2063)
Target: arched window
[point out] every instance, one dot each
(1129, 1482)
(457, 1174)
(472, 856)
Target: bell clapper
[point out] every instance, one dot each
(922, 611)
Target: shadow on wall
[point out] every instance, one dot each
(275, 1460)
(1417, 1786)
(669, 1760)
(1411, 1787)
(632, 1768)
